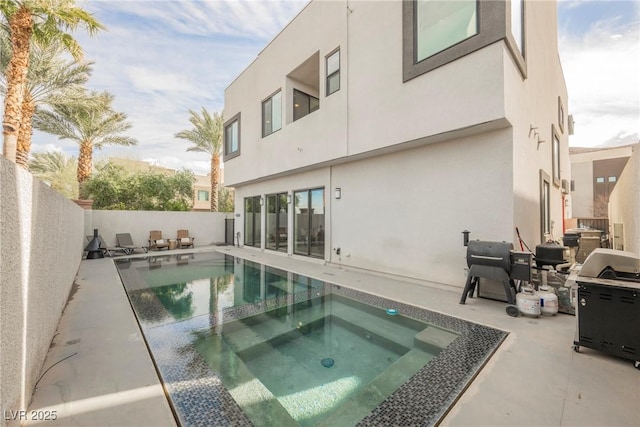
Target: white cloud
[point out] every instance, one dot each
(602, 70)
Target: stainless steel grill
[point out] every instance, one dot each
(608, 304)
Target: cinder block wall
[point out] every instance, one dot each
(41, 243)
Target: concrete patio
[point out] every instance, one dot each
(98, 371)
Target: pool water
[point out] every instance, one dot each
(284, 351)
(240, 343)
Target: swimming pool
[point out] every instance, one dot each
(240, 343)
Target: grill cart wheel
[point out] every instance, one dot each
(512, 310)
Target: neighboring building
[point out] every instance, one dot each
(202, 190)
(371, 134)
(201, 193)
(594, 175)
(624, 206)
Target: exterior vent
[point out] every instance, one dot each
(570, 123)
(565, 186)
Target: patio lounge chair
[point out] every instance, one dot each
(156, 241)
(106, 250)
(123, 240)
(184, 240)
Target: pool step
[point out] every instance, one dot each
(264, 327)
(372, 395)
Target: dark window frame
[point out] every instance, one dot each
(334, 73)
(545, 204)
(309, 110)
(256, 207)
(266, 100)
(555, 156)
(227, 155)
(561, 114)
(494, 24)
(281, 202)
(308, 225)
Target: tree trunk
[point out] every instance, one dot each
(85, 164)
(16, 75)
(26, 130)
(215, 181)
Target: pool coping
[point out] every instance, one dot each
(197, 395)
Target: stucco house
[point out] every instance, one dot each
(370, 134)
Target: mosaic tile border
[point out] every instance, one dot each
(198, 395)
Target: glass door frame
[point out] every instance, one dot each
(256, 210)
(278, 202)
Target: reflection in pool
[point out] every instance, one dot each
(237, 342)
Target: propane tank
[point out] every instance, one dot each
(548, 301)
(528, 302)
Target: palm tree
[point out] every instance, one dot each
(50, 78)
(58, 170)
(44, 21)
(91, 123)
(206, 137)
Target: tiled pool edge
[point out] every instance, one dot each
(198, 396)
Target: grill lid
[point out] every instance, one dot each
(606, 263)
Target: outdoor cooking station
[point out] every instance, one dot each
(608, 304)
(496, 261)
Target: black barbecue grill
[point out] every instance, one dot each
(496, 261)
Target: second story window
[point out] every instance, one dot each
(555, 156)
(441, 24)
(303, 104)
(232, 137)
(333, 72)
(272, 114)
(203, 196)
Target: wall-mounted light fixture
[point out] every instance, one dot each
(289, 199)
(338, 192)
(261, 201)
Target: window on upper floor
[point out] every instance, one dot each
(442, 24)
(517, 23)
(272, 114)
(333, 72)
(555, 156)
(232, 138)
(560, 115)
(303, 104)
(437, 32)
(203, 196)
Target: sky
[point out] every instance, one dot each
(162, 58)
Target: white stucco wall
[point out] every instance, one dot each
(206, 227)
(373, 109)
(40, 251)
(418, 161)
(582, 196)
(532, 109)
(624, 202)
(404, 213)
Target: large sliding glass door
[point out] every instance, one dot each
(277, 227)
(309, 226)
(252, 210)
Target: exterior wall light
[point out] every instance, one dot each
(289, 199)
(338, 192)
(261, 201)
